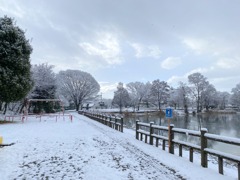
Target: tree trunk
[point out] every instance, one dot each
(5, 108)
(207, 108)
(186, 109)
(20, 109)
(77, 107)
(159, 105)
(120, 108)
(77, 104)
(140, 100)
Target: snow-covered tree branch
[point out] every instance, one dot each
(77, 86)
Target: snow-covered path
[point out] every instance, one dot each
(86, 149)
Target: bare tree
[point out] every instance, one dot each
(148, 97)
(160, 90)
(222, 99)
(78, 86)
(199, 83)
(121, 97)
(137, 92)
(175, 98)
(236, 95)
(180, 96)
(184, 92)
(208, 96)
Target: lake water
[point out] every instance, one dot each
(220, 124)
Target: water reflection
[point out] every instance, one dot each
(221, 124)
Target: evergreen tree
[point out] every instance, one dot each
(44, 87)
(15, 50)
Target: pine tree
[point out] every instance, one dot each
(15, 50)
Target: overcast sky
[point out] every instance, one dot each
(134, 40)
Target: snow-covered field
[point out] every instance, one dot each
(85, 149)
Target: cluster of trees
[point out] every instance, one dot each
(19, 81)
(74, 86)
(198, 93)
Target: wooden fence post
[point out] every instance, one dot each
(115, 123)
(163, 145)
(170, 139)
(204, 161)
(121, 124)
(150, 133)
(157, 140)
(106, 118)
(102, 118)
(220, 165)
(238, 170)
(110, 121)
(191, 154)
(137, 128)
(180, 150)
(99, 117)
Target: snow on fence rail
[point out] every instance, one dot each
(56, 116)
(149, 133)
(13, 117)
(25, 117)
(108, 120)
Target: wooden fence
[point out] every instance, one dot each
(114, 122)
(25, 117)
(150, 133)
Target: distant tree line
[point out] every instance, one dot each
(198, 94)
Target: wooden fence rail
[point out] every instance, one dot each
(148, 131)
(114, 122)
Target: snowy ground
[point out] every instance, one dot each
(85, 149)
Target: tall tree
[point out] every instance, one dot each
(184, 91)
(137, 91)
(15, 50)
(160, 90)
(180, 96)
(44, 86)
(148, 97)
(222, 99)
(208, 96)
(175, 98)
(121, 97)
(44, 82)
(199, 83)
(236, 95)
(78, 86)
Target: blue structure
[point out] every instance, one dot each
(168, 113)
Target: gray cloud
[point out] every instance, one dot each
(105, 36)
